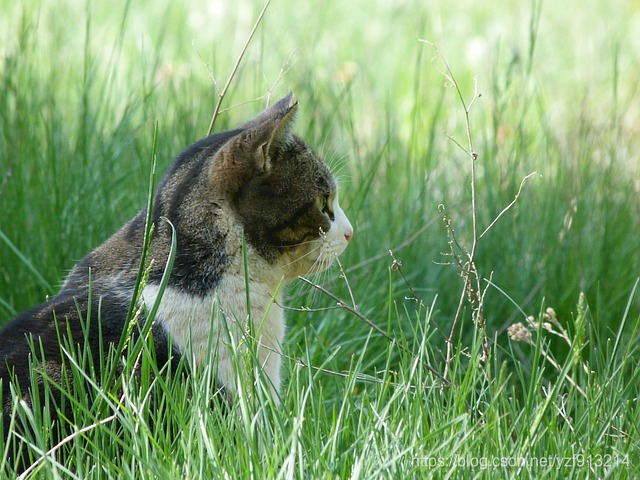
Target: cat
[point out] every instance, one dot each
(258, 180)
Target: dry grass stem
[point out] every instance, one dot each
(357, 313)
(221, 94)
(511, 204)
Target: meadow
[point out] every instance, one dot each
(488, 157)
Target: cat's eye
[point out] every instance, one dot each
(325, 206)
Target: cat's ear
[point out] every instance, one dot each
(270, 130)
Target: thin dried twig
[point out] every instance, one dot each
(358, 377)
(400, 246)
(375, 258)
(357, 313)
(343, 274)
(468, 267)
(511, 204)
(396, 266)
(462, 258)
(221, 94)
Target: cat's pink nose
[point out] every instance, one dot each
(348, 235)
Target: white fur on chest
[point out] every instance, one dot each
(196, 323)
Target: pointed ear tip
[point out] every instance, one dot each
(291, 100)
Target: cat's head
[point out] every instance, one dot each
(282, 193)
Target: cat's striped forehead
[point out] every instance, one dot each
(283, 207)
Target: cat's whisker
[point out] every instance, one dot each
(321, 274)
(313, 292)
(322, 264)
(303, 256)
(315, 268)
(343, 179)
(306, 242)
(318, 261)
(333, 160)
(338, 164)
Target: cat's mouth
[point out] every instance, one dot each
(333, 242)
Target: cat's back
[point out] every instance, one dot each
(65, 314)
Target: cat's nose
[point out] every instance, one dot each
(348, 234)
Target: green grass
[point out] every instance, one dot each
(82, 86)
